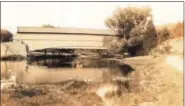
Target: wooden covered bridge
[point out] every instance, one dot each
(40, 38)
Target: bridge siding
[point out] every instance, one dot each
(62, 38)
(61, 41)
(40, 44)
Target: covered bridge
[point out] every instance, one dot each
(40, 38)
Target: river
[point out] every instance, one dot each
(32, 73)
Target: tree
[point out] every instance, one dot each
(178, 30)
(163, 35)
(135, 26)
(6, 36)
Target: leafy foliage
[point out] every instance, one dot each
(178, 30)
(48, 26)
(163, 35)
(6, 35)
(134, 26)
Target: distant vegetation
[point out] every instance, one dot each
(178, 30)
(167, 32)
(48, 26)
(163, 35)
(6, 35)
(170, 39)
(135, 30)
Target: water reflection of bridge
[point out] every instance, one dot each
(62, 39)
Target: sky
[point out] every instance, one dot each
(79, 14)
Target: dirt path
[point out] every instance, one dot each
(175, 61)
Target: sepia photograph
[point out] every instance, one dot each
(92, 53)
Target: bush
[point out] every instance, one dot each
(48, 26)
(6, 36)
(167, 32)
(163, 35)
(135, 27)
(114, 44)
(178, 30)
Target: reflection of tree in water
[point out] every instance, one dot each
(119, 70)
(6, 73)
(6, 70)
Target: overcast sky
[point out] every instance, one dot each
(79, 14)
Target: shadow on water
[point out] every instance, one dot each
(84, 62)
(74, 60)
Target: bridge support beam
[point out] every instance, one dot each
(45, 56)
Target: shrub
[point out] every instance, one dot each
(163, 35)
(178, 30)
(114, 44)
(135, 27)
(6, 36)
(48, 26)
(169, 32)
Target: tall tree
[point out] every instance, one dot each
(134, 26)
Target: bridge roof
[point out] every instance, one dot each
(64, 30)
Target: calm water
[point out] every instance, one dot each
(41, 74)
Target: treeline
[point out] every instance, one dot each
(170, 31)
